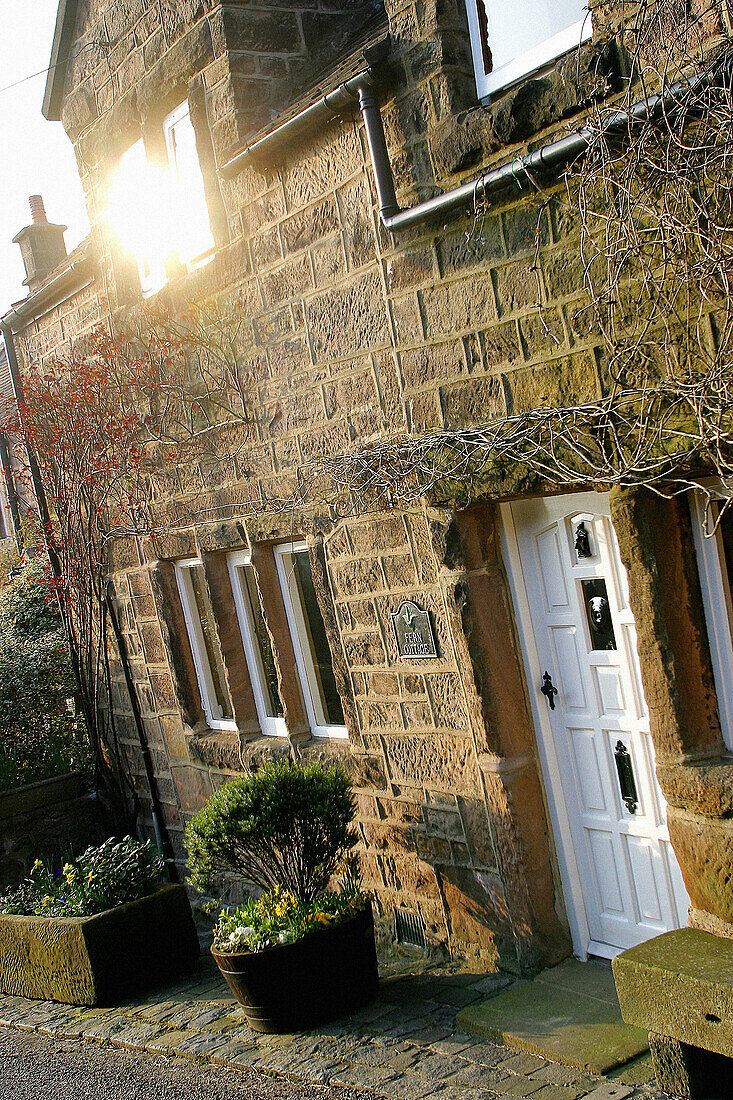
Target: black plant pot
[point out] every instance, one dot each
(294, 986)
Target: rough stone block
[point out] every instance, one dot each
(261, 31)
(348, 319)
(438, 762)
(688, 1072)
(473, 402)
(311, 225)
(680, 985)
(466, 304)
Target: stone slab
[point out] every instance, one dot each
(569, 1014)
(680, 985)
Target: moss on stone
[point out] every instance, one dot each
(100, 959)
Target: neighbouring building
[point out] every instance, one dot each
(529, 682)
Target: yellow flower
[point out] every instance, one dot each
(90, 876)
(322, 918)
(37, 865)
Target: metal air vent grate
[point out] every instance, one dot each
(409, 928)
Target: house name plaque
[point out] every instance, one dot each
(413, 631)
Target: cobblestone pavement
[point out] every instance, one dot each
(404, 1046)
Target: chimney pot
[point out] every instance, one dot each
(38, 210)
(41, 245)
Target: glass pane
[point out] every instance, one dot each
(515, 28)
(598, 612)
(268, 672)
(317, 642)
(211, 643)
(193, 231)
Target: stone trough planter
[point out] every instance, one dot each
(102, 959)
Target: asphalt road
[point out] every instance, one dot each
(35, 1067)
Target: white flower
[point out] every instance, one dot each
(240, 934)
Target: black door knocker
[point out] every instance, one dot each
(548, 689)
(582, 541)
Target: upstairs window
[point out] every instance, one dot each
(511, 41)
(194, 241)
(136, 210)
(160, 214)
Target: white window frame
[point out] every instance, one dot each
(207, 690)
(526, 63)
(181, 112)
(270, 726)
(716, 597)
(299, 631)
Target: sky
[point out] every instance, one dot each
(36, 157)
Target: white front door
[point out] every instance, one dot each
(620, 875)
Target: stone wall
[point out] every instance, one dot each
(350, 334)
(51, 821)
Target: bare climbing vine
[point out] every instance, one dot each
(654, 201)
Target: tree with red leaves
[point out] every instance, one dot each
(96, 432)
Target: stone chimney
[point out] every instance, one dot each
(41, 245)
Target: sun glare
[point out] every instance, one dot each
(138, 213)
(157, 215)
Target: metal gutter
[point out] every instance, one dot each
(69, 278)
(361, 91)
(62, 38)
(329, 106)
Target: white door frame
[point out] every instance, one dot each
(559, 819)
(580, 880)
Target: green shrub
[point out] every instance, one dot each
(286, 825)
(100, 878)
(40, 734)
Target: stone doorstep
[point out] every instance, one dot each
(680, 985)
(569, 1014)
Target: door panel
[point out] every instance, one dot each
(583, 635)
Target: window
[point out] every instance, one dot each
(312, 654)
(207, 656)
(139, 221)
(510, 41)
(161, 216)
(257, 647)
(715, 564)
(194, 242)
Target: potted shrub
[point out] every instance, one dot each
(303, 952)
(98, 930)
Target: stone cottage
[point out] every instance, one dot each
(529, 682)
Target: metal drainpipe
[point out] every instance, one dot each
(512, 173)
(361, 90)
